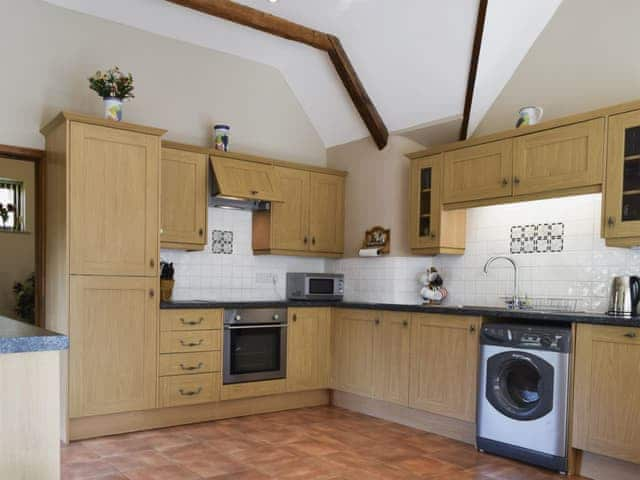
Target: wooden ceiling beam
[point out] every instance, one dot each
(473, 68)
(265, 22)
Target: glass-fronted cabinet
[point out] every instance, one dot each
(431, 230)
(622, 193)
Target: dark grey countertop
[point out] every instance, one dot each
(18, 337)
(488, 312)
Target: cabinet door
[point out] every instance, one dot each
(183, 209)
(352, 359)
(606, 417)
(113, 336)
(424, 219)
(478, 173)
(559, 159)
(326, 213)
(391, 358)
(622, 192)
(113, 201)
(245, 179)
(444, 364)
(308, 348)
(290, 218)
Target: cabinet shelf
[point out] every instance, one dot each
(632, 157)
(631, 192)
(425, 190)
(425, 215)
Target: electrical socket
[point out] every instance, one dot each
(266, 278)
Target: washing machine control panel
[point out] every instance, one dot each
(522, 336)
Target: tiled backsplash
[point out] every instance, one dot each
(582, 270)
(381, 279)
(239, 275)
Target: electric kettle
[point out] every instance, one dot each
(625, 293)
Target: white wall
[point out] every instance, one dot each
(585, 58)
(240, 276)
(49, 52)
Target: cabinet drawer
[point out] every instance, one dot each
(189, 389)
(253, 389)
(187, 363)
(201, 341)
(190, 320)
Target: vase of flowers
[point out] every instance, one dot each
(114, 87)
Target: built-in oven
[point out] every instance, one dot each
(315, 286)
(255, 344)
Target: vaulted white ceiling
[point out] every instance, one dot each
(411, 55)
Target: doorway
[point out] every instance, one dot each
(21, 179)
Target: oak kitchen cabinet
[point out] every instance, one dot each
(113, 201)
(190, 357)
(392, 339)
(353, 350)
(433, 230)
(444, 365)
(622, 193)
(564, 159)
(101, 261)
(244, 176)
(606, 418)
(183, 204)
(308, 348)
(479, 172)
(310, 220)
(113, 323)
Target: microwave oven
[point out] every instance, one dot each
(315, 286)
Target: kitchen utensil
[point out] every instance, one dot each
(625, 294)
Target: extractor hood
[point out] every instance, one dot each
(242, 184)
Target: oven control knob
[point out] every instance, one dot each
(545, 342)
(276, 316)
(237, 318)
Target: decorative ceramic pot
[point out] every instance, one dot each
(529, 116)
(113, 108)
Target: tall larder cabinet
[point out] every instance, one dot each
(101, 261)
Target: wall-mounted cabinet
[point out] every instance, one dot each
(432, 230)
(241, 176)
(310, 219)
(183, 200)
(559, 161)
(622, 193)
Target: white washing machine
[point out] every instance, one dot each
(523, 393)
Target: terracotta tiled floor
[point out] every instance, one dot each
(313, 443)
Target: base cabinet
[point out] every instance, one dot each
(444, 364)
(392, 339)
(606, 417)
(308, 349)
(112, 357)
(353, 350)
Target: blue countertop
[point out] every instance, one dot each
(18, 337)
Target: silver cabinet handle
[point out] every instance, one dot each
(190, 393)
(191, 344)
(198, 367)
(191, 322)
(243, 327)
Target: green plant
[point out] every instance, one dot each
(4, 212)
(112, 83)
(26, 298)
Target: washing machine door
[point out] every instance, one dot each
(520, 385)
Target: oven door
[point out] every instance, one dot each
(254, 352)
